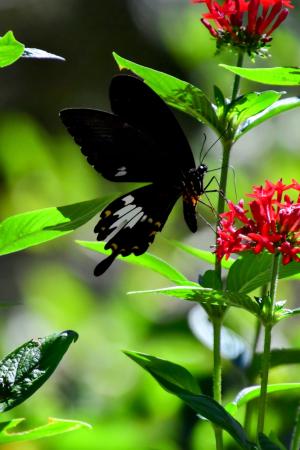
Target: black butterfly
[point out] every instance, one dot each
(140, 142)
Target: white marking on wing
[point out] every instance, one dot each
(128, 199)
(125, 210)
(127, 217)
(134, 220)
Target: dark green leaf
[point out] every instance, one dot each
(252, 392)
(278, 76)
(220, 102)
(146, 260)
(52, 428)
(10, 49)
(27, 368)
(180, 377)
(251, 104)
(177, 93)
(210, 279)
(279, 107)
(209, 296)
(203, 405)
(251, 271)
(204, 255)
(35, 227)
(279, 357)
(36, 53)
(266, 444)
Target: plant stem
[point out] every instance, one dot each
(217, 375)
(237, 78)
(267, 344)
(295, 442)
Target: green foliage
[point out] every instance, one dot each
(27, 368)
(10, 49)
(266, 444)
(35, 227)
(53, 427)
(278, 76)
(177, 383)
(278, 357)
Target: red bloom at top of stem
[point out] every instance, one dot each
(245, 25)
(271, 223)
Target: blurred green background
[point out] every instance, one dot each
(51, 287)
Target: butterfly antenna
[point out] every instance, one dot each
(212, 145)
(234, 183)
(202, 148)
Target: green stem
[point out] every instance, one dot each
(217, 375)
(237, 78)
(295, 442)
(268, 324)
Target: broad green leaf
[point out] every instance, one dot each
(220, 102)
(175, 92)
(27, 368)
(279, 357)
(203, 405)
(36, 53)
(209, 296)
(146, 260)
(279, 107)
(251, 271)
(210, 279)
(166, 370)
(204, 255)
(52, 428)
(266, 444)
(252, 392)
(10, 49)
(278, 76)
(35, 227)
(251, 104)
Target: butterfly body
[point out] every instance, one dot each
(140, 141)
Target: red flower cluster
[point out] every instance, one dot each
(244, 24)
(274, 225)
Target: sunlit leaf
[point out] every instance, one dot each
(52, 428)
(146, 260)
(251, 271)
(27, 368)
(10, 49)
(36, 53)
(252, 392)
(204, 255)
(278, 76)
(203, 405)
(209, 296)
(278, 107)
(35, 227)
(175, 92)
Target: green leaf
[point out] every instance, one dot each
(209, 296)
(36, 53)
(278, 357)
(146, 260)
(210, 279)
(35, 227)
(175, 92)
(203, 405)
(27, 368)
(266, 444)
(252, 392)
(204, 255)
(165, 370)
(277, 108)
(10, 49)
(251, 104)
(52, 428)
(286, 313)
(251, 271)
(278, 76)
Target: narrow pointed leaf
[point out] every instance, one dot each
(10, 49)
(285, 104)
(204, 255)
(52, 428)
(175, 92)
(209, 296)
(27, 368)
(278, 76)
(252, 392)
(266, 444)
(203, 405)
(278, 357)
(35, 227)
(36, 53)
(147, 260)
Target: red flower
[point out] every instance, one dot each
(246, 25)
(272, 223)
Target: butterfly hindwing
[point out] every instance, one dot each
(130, 223)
